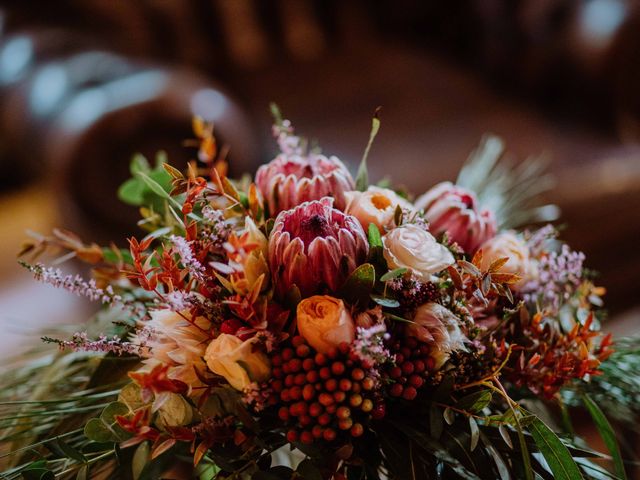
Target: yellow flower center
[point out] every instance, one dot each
(380, 201)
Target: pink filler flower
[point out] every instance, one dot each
(315, 247)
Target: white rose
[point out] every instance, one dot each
(508, 244)
(375, 205)
(414, 248)
(235, 360)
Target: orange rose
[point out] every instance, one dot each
(324, 322)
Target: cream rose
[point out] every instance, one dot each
(235, 360)
(414, 248)
(508, 244)
(324, 322)
(439, 327)
(375, 205)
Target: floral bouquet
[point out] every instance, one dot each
(306, 325)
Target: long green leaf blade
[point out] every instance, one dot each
(554, 451)
(607, 434)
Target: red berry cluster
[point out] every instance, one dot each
(412, 367)
(324, 396)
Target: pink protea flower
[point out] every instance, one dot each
(455, 210)
(315, 247)
(291, 179)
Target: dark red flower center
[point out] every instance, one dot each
(314, 226)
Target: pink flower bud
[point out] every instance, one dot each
(455, 210)
(289, 180)
(315, 247)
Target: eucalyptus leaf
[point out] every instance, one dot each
(390, 275)
(385, 301)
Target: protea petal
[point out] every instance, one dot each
(315, 247)
(455, 210)
(289, 180)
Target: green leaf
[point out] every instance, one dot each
(501, 466)
(449, 416)
(139, 163)
(308, 470)
(385, 301)
(37, 471)
(113, 410)
(362, 178)
(375, 240)
(357, 288)
(105, 428)
(607, 434)
(83, 473)
(390, 275)
(96, 430)
(132, 192)
(157, 188)
(436, 425)
(475, 401)
(70, 452)
(275, 113)
(475, 433)
(140, 460)
(554, 451)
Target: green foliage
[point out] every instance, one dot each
(148, 186)
(105, 428)
(359, 285)
(607, 434)
(617, 390)
(554, 451)
(38, 471)
(362, 177)
(476, 401)
(513, 193)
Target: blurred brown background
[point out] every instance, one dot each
(86, 83)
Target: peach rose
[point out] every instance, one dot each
(438, 327)
(508, 244)
(416, 249)
(375, 205)
(324, 322)
(235, 360)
